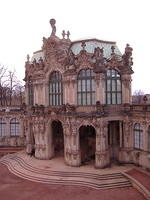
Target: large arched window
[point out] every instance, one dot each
(86, 87)
(113, 87)
(14, 127)
(2, 127)
(149, 138)
(55, 89)
(30, 92)
(138, 136)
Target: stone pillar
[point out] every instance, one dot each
(49, 141)
(128, 133)
(75, 145)
(46, 94)
(126, 88)
(102, 153)
(67, 143)
(145, 135)
(100, 87)
(121, 134)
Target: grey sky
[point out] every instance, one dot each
(25, 22)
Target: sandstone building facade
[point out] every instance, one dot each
(78, 104)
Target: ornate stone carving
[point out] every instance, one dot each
(99, 60)
(127, 59)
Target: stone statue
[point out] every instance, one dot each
(52, 22)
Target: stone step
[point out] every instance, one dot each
(21, 168)
(73, 174)
(68, 182)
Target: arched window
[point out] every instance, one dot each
(55, 89)
(30, 92)
(113, 87)
(86, 87)
(149, 138)
(138, 136)
(14, 127)
(2, 127)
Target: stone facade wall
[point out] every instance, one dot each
(7, 140)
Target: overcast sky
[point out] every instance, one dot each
(23, 23)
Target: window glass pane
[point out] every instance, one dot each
(118, 98)
(136, 140)
(93, 85)
(108, 98)
(113, 85)
(118, 85)
(108, 85)
(83, 98)
(50, 100)
(93, 99)
(88, 99)
(113, 98)
(83, 85)
(54, 102)
(79, 99)
(141, 141)
(79, 85)
(14, 127)
(50, 88)
(113, 73)
(56, 89)
(108, 73)
(88, 85)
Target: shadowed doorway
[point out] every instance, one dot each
(58, 138)
(114, 139)
(87, 137)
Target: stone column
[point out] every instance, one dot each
(49, 141)
(46, 94)
(121, 134)
(67, 143)
(102, 153)
(126, 89)
(75, 148)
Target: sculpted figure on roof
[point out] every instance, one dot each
(52, 22)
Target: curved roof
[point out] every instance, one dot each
(91, 44)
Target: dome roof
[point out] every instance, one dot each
(91, 44)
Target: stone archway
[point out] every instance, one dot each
(87, 138)
(57, 138)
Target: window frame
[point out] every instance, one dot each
(55, 89)
(138, 136)
(14, 127)
(2, 127)
(86, 88)
(112, 91)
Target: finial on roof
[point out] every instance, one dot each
(83, 45)
(63, 34)
(112, 49)
(52, 23)
(68, 34)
